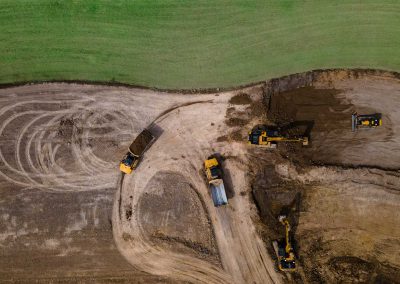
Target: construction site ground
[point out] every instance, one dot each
(68, 213)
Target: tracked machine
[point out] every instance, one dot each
(270, 137)
(284, 249)
(365, 121)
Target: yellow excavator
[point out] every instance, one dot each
(284, 249)
(269, 137)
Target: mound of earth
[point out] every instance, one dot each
(167, 211)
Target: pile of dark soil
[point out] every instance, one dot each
(240, 99)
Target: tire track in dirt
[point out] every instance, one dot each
(243, 255)
(37, 146)
(46, 142)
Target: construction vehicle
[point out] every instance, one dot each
(136, 150)
(215, 182)
(365, 121)
(269, 137)
(284, 249)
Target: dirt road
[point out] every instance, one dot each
(60, 147)
(189, 135)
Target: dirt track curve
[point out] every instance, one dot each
(191, 131)
(60, 148)
(67, 211)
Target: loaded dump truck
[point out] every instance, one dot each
(215, 182)
(136, 150)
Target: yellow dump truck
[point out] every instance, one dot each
(136, 150)
(215, 182)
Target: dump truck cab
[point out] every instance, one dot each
(128, 163)
(213, 171)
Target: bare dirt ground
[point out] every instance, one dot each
(342, 192)
(189, 135)
(63, 200)
(60, 147)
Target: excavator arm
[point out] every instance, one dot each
(285, 252)
(284, 139)
(288, 245)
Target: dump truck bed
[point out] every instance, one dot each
(218, 193)
(140, 144)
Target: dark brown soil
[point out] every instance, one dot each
(240, 99)
(235, 121)
(223, 138)
(298, 107)
(305, 104)
(233, 136)
(141, 142)
(320, 114)
(257, 109)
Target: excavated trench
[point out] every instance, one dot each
(336, 190)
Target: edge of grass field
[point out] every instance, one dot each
(366, 71)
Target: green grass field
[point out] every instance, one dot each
(193, 44)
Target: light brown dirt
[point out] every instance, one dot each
(60, 145)
(60, 148)
(191, 131)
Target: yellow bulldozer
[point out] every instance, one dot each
(269, 137)
(284, 249)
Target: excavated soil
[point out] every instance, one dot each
(60, 145)
(341, 192)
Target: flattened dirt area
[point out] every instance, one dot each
(60, 145)
(323, 112)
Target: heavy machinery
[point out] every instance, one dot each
(284, 249)
(269, 137)
(136, 150)
(215, 182)
(365, 121)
